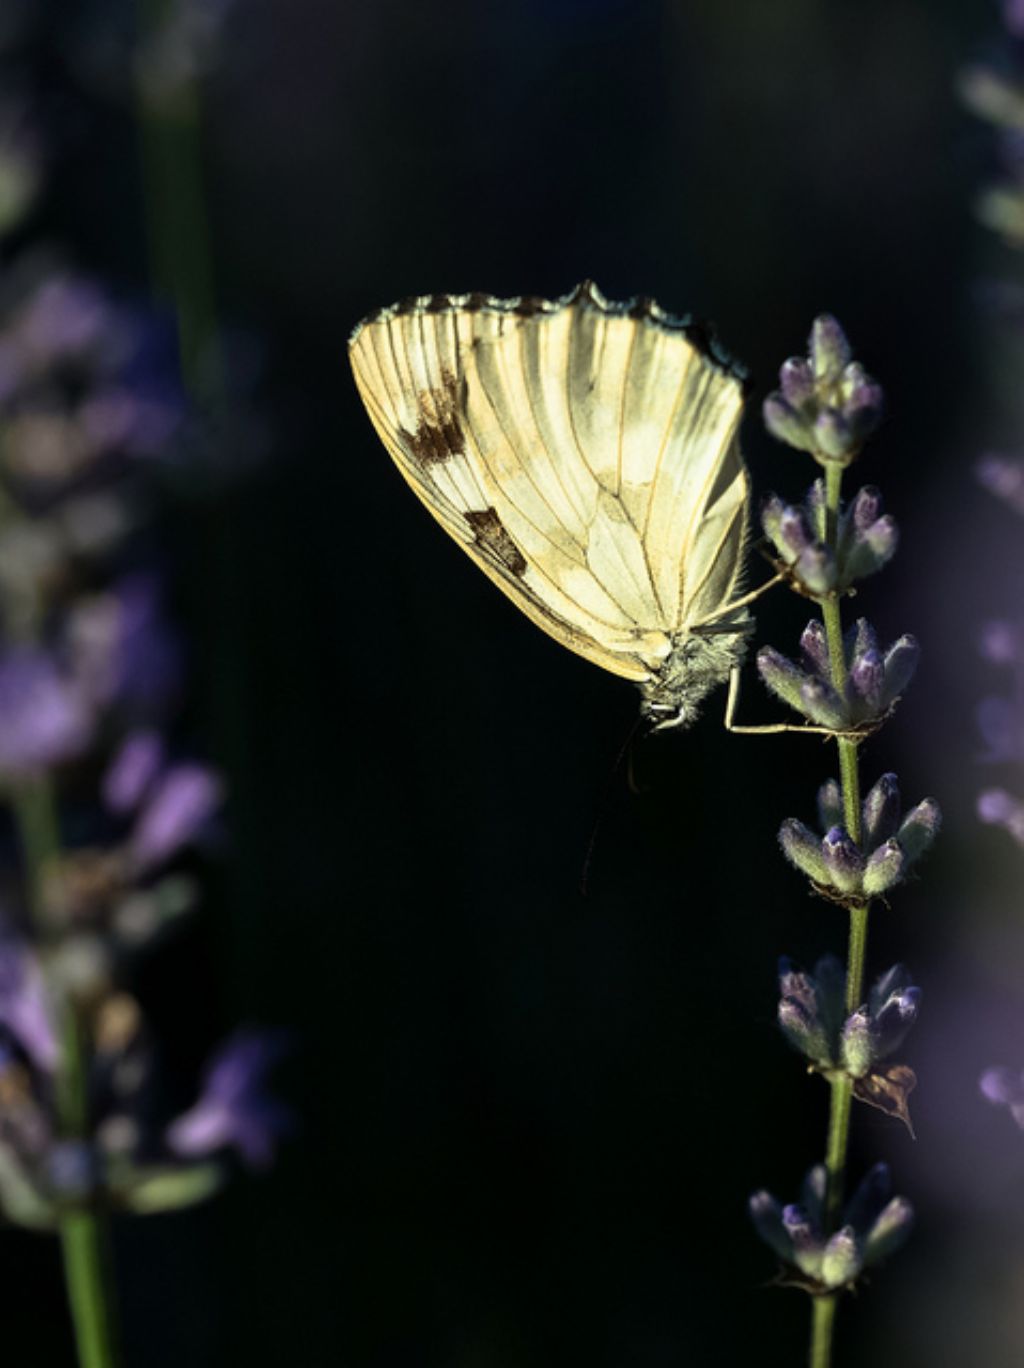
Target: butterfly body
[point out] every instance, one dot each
(584, 455)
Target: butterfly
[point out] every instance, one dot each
(585, 455)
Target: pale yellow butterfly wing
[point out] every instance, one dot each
(584, 454)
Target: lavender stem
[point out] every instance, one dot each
(841, 1098)
(83, 1234)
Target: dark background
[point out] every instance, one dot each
(530, 1119)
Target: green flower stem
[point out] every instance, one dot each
(824, 1315)
(83, 1234)
(181, 261)
(841, 1099)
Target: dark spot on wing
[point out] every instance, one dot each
(530, 305)
(489, 531)
(439, 435)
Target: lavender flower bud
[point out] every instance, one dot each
(766, 1215)
(815, 568)
(804, 1032)
(786, 424)
(889, 1231)
(893, 1022)
(863, 406)
(843, 859)
(794, 533)
(804, 1247)
(881, 811)
(797, 381)
(781, 676)
(814, 1188)
(900, 663)
(867, 678)
(884, 869)
(814, 647)
(132, 771)
(856, 1048)
(820, 703)
(804, 850)
(866, 508)
(869, 1198)
(841, 1261)
(829, 349)
(919, 829)
(833, 436)
(185, 800)
(830, 805)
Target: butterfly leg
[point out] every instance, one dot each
(766, 729)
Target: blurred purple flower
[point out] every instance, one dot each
(176, 811)
(45, 717)
(1003, 476)
(132, 771)
(24, 1007)
(233, 1110)
(122, 649)
(996, 807)
(1004, 1088)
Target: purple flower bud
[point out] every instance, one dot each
(44, 718)
(815, 568)
(830, 805)
(843, 859)
(785, 423)
(820, 703)
(859, 638)
(894, 980)
(885, 867)
(25, 1008)
(183, 802)
(814, 1188)
(766, 1215)
(863, 406)
(804, 1242)
(794, 533)
(881, 811)
(814, 648)
(829, 349)
(866, 508)
(841, 1261)
(132, 771)
(919, 828)
(889, 1231)
(893, 1022)
(233, 1109)
(804, 850)
(856, 1047)
(867, 678)
(833, 436)
(869, 1199)
(780, 675)
(797, 381)
(900, 663)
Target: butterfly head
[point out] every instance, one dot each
(700, 660)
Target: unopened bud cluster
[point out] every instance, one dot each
(813, 1018)
(826, 403)
(874, 1224)
(874, 677)
(890, 845)
(866, 539)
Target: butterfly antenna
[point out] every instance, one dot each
(625, 752)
